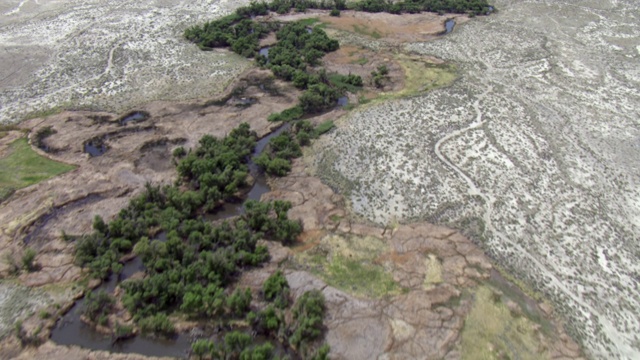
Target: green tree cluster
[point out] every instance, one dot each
(236, 31)
(298, 48)
(214, 172)
(475, 7)
(276, 289)
(308, 313)
(379, 76)
(157, 324)
(237, 345)
(97, 306)
(276, 158)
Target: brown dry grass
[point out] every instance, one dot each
(402, 28)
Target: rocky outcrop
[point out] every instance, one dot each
(432, 264)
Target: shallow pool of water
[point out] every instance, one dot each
(449, 25)
(94, 149)
(135, 116)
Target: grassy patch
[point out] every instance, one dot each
(518, 291)
(323, 127)
(364, 30)
(349, 263)
(360, 61)
(23, 167)
(491, 331)
(309, 21)
(339, 81)
(421, 76)
(359, 277)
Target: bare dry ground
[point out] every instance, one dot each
(106, 55)
(533, 152)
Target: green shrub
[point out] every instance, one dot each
(158, 324)
(276, 289)
(238, 303)
(97, 304)
(268, 321)
(202, 347)
(286, 115)
(334, 12)
(123, 331)
(179, 152)
(236, 341)
(308, 313)
(278, 167)
(28, 259)
(303, 138)
(322, 353)
(324, 127)
(260, 352)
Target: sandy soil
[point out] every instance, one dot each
(106, 55)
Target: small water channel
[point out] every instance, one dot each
(70, 330)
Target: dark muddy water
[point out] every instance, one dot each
(94, 149)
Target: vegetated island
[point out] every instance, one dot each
(193, 272)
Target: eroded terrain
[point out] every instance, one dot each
(533, 152)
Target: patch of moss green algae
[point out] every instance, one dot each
(349, 263)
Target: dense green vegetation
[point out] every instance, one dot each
(379, 76)
(97, 306)
(300, 46)
(304, 329)
(157, 324)
(475, 7)
(193, 270)
(276, 158)
(276, 289)
(308, 313)
(299, 49)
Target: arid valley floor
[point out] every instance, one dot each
(532, 153)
